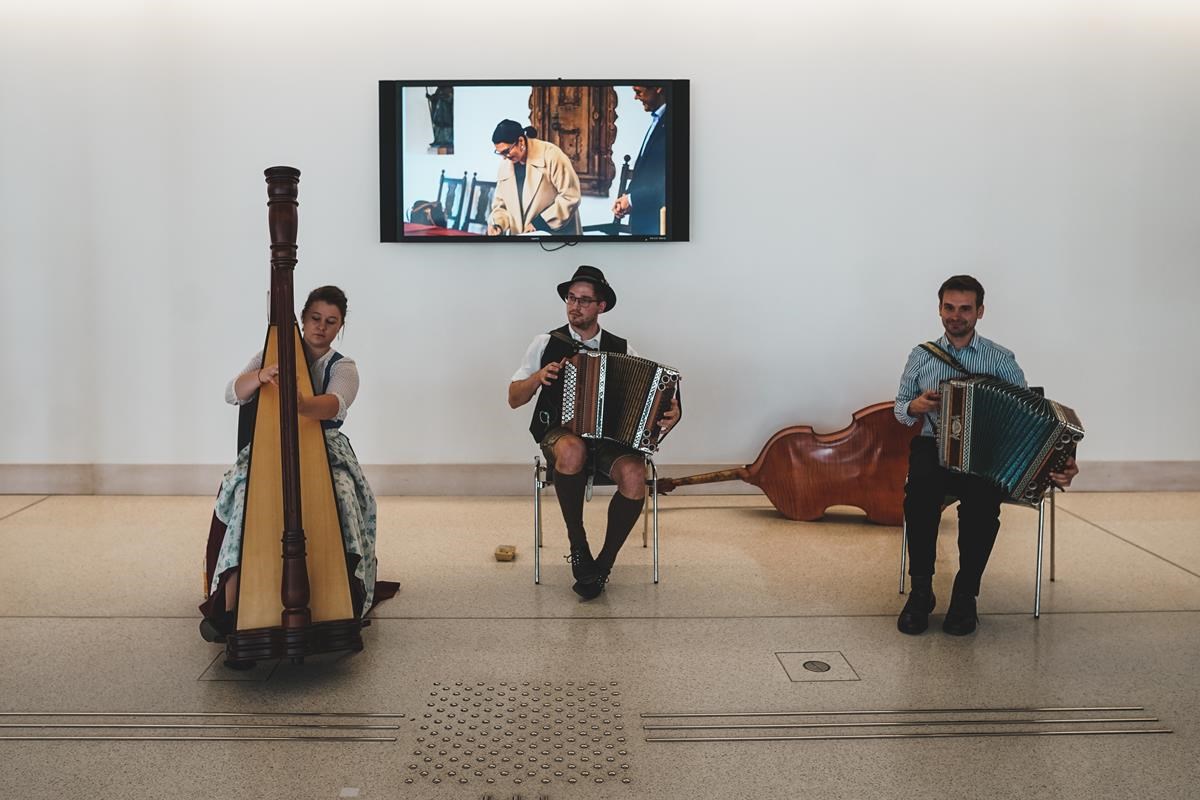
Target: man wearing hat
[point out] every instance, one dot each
(587, 295)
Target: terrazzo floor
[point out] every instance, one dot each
(98, 614)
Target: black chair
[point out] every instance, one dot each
(452, 193)
(543, 476)
(479, 203)
(617, 226)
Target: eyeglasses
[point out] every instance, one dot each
(504, 153)
(582, 302)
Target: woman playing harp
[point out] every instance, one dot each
(335, 382)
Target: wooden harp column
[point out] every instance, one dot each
(294, 594)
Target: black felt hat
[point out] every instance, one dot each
(596, 278)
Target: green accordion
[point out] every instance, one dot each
(1011, 436)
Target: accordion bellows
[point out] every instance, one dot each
(617, 397)
(1006, 434)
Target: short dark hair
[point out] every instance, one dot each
(326, 294)
(962, 283)
(509, 130)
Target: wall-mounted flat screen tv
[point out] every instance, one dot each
(552, 160)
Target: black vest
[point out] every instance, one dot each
(547, 414)
(248, 413)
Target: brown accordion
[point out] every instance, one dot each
(1009, 435)
(617, 397)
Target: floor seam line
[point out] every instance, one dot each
(1131, 544)
(24, 508)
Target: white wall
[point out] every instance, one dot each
(847, 157)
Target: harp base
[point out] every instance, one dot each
(262, 644)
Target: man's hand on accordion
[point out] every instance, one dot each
(1063, 479)
(549, 373)
(670, 417)
(924, 403)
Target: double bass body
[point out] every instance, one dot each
(803, 472)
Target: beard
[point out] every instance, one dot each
(580, 320)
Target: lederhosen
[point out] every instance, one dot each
(547, 413)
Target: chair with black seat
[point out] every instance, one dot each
(479, 204)
(617, 226)
(452, 193)
(543, 476)
(1046, 500)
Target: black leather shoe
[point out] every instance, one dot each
(604, 565)
(914, 618)
(215, 629)
(589, 588)
(210, 632)
(583, 566)
(583, 569)
(962, 616)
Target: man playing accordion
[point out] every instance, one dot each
(587, 295)
(960, 305)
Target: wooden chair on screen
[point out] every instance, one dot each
(617, 226)
(479, 204)
(451, 194)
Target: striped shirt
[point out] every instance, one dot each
(924, 372)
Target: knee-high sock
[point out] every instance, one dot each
(569, 489)
(623, 513)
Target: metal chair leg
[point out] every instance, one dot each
(537, 520)
(1037, 594)
(1052, 537)
(646, 525)
(654, 504)
(903, 553)
(646, 514)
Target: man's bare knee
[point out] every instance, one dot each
(630, 476)
(570, 453)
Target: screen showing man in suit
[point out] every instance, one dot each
(646, 195)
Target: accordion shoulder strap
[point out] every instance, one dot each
(575, 344)
(935, 350)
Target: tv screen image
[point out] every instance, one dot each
(555, 160)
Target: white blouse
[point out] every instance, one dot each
(343, 380)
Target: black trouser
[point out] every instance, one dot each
(928, 488)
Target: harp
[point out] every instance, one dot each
(293, 595)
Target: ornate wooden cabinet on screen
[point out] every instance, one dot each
(582, 120)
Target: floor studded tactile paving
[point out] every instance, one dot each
(535, 733)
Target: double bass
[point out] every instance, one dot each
(293, 595)
(803, 472)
